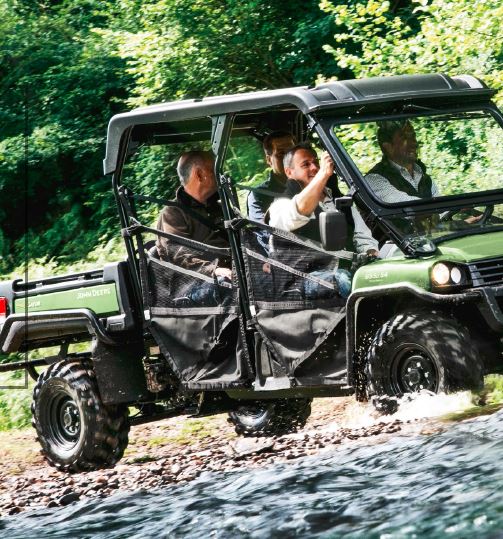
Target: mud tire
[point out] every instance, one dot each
(76, 431)
(271, 418)
(421, 350)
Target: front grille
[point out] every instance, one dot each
(487, 272)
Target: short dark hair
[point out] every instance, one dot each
(290, 154)
(190, 159)
(268, 140)
(386, 130)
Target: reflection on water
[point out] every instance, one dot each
(446, 484)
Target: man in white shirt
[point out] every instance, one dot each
(310, 190)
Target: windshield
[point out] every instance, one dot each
(434, 159)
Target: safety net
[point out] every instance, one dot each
(195, 316)
(297, 292)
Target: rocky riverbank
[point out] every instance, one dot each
(173, 451)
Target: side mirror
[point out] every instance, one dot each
(334, 226)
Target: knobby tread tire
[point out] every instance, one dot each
(278, 417)
(103, 429)
(447, 342)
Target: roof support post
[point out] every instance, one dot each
(221, 130)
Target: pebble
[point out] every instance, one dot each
(52, 488)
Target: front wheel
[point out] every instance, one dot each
(422, 351)
(76, 430)
(271, 418)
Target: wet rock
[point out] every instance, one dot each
(249, 446)
(69, 498)
(385, 405)
(101, 480)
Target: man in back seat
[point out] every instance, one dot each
(197, 215)
(275, 145)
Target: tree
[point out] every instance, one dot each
(59, 86)
(193, 48)
(453, 37)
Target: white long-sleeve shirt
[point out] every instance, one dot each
(284, 214)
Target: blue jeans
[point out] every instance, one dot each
(340, 277)
(207, 295)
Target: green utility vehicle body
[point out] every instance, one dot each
(400, 269)
(101, 299)
(427, 314)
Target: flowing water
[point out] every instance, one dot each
(445, 484)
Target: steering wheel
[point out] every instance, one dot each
(486, 214)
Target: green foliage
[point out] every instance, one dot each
(15, 401)
(191, 48)
(465, 36)
(59, 86)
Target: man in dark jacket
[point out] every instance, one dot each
(196, 214)
(275, 145)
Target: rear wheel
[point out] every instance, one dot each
(76, 430)
(422, 351)
(271, 418)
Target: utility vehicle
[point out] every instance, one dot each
(428, 314)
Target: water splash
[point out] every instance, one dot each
(411, 407)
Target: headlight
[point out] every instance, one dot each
(456, 275)
(440, 274)
(445, 275)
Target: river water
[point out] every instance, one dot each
(446, 484)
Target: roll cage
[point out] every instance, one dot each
(302, 110)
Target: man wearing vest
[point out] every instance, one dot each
(275, 145)
(310, 190)
(400, 175)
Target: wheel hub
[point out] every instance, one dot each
(64, 420)
(70, 418)
(414, 371)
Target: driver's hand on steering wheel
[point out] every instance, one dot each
(473, 219)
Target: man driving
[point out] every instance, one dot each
(400, 175)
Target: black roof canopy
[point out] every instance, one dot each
(342, 95)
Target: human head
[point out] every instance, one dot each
(275, 145)
(301, 163)
(397, 140)
(196, 173)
